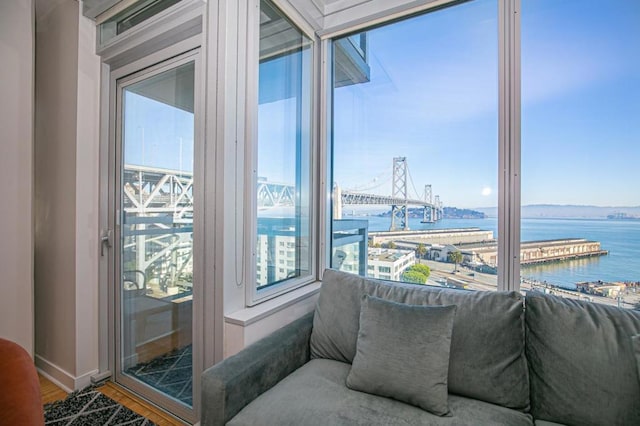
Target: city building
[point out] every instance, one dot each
(275, 264)
(389, 264)
(441, 253)
(611, 290)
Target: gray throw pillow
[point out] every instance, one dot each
(402, 352)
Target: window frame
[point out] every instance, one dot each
(120, 79)
(254, 295)
(508, 31)
(142, 39)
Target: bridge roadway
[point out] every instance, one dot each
(357, 198)
(155, 190)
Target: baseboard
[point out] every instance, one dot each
(54, 373)
(85, 380)
(62, 378)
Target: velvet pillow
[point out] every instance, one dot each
(402, 352)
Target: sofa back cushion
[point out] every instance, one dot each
(487, 359)
(581, 362)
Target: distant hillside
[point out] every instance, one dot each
(456, 213)
(568, 211)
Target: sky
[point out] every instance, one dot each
(433, 98)
(157, 134)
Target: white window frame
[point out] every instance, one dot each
(253, 295)
(186, 16)
(128, 54)
(121, 78)
(508, 134)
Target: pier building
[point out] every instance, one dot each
(532, 252)
(479, 246)
(454, 236)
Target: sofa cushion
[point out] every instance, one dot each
(316, 395)
(487, 359)
(403, 353)
(635, 343)
(581, 361)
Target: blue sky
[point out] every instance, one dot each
(433, 98)
(157, 134)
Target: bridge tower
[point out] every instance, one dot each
(438, 207)
(428, 211)
(399, 212)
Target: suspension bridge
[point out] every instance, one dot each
(158, 213)
(399, 199)
(272, 194)
(157, 225)
(169, 193)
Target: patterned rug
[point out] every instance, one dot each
(170, 373)
(91, 408)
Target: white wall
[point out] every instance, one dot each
(16, 171)
(87, 204)
(66, 187)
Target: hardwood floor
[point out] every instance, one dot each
(51, 393)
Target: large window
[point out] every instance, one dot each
(415, 149)
(580, 224)
(283, 177)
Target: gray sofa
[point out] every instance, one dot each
(558, 361)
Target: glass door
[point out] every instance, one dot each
(155, 234)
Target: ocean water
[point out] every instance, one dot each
(621, 238)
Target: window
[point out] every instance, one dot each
(283, 163)
(580, 150)
(415, 147)
(132, 16)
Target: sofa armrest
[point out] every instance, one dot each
(230, 385)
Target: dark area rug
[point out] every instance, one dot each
(91, 408)
(170, 373)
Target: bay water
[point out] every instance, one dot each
(620, 237)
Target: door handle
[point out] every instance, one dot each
(105, 240)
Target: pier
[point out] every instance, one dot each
(480, 246)
(454, 236)
(545, 251)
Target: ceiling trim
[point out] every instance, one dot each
(93, 8)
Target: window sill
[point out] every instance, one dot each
(250, 315)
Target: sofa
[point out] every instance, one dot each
(381, 353)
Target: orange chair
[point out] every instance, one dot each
(20, 400)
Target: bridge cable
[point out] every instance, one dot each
(413, 185)
(376, 182)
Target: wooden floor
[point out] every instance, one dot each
(51, 393)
